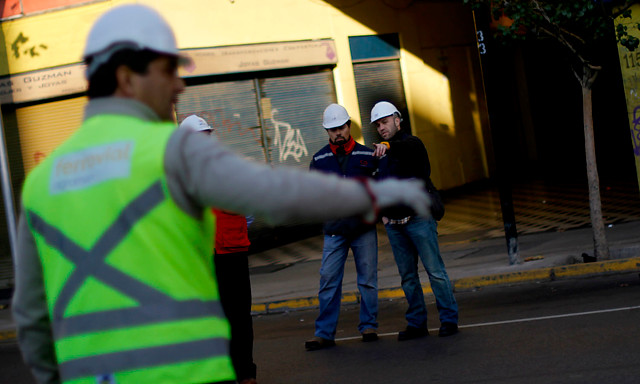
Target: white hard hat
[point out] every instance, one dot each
(383, 109)
(128, 26)
(335, 115)
(196, 123)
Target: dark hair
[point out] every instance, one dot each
(103, 81)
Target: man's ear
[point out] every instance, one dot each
(124, 78)
(397, 121)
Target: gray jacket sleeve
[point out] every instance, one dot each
(204, 172)
(30, 310)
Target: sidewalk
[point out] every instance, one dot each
(286, 278)
(282, 283)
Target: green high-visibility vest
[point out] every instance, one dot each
(128, 275)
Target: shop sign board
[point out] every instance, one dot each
(44, 84)
(259, 57)
(68, 80)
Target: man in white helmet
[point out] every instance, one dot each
(412, 235)
(344, 157)
(114, 277)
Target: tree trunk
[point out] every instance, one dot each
(601, 248)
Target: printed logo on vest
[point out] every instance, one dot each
(88, 167)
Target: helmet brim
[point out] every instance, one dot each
(336, 125)
(380, 118)
(184, 60)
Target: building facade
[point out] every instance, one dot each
(263, 73)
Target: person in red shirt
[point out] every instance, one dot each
(231, 261)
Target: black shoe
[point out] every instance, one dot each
(412, 333)
(318, 343)
(369, 334)
(448, 329)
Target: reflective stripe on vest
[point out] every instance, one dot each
(140, 358)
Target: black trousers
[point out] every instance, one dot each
(234, 285)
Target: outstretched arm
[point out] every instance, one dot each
(209, 173)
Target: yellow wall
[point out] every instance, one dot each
(52, 39)
(436, 37)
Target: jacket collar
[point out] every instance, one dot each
(399, 135)
(343, 149)
(119, 106)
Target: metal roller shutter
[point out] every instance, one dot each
(292, 108)
(292, 112)
(376, 81)
(231, 109)
(291, 131)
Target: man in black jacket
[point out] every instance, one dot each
(411, 236)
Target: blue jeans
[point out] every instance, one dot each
(334, 256)
(419, 238)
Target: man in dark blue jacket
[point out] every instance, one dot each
(345, 157)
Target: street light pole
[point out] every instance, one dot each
(498, 77)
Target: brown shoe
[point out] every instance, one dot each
(318, 343)
(369, 334)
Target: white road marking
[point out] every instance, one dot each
(514, 321)
(550, 317)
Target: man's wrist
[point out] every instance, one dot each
(370, 217)
(386, 144)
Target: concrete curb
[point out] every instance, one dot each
(472, 283)
(462, 284)
(550, 274)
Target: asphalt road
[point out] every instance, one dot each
(578, 331)
(12, 369)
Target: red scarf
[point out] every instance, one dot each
(346, 147)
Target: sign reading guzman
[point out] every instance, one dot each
(43, 84)
(259, 57)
